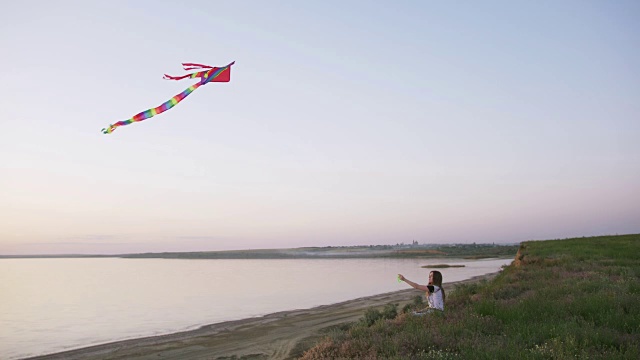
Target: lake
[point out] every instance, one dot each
(52, 305)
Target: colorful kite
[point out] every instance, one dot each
(212, 74)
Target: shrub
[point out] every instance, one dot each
(390, 311)
(372, 315)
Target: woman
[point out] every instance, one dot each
(434, 291)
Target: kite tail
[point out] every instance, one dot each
(205, 77)
(193, 66)
(198, 74)
(154, 111)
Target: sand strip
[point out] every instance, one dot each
(282, 335)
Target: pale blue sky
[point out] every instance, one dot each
(355, 122)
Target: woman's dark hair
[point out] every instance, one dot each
(437, 280)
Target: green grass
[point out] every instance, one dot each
(574, 298)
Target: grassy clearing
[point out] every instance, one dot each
(560, 299)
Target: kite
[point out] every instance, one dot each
(209, 74)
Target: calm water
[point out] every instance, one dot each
(51, 305)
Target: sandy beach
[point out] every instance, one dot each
(282, 335)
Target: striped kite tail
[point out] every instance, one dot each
(212, 74)
(198, 74)
(144, 115)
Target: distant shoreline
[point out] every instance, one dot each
(275, 336)
(459, 251)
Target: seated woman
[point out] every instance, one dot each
(434, 292)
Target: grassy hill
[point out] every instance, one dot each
(559, 299)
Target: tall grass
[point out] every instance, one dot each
(560, 299)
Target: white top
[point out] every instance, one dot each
(435, 299)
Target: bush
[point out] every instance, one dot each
(390, 311)
(372, 315)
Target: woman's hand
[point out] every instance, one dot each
(401, 277)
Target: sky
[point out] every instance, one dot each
(344, 123)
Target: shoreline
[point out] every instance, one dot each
(280, 335)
